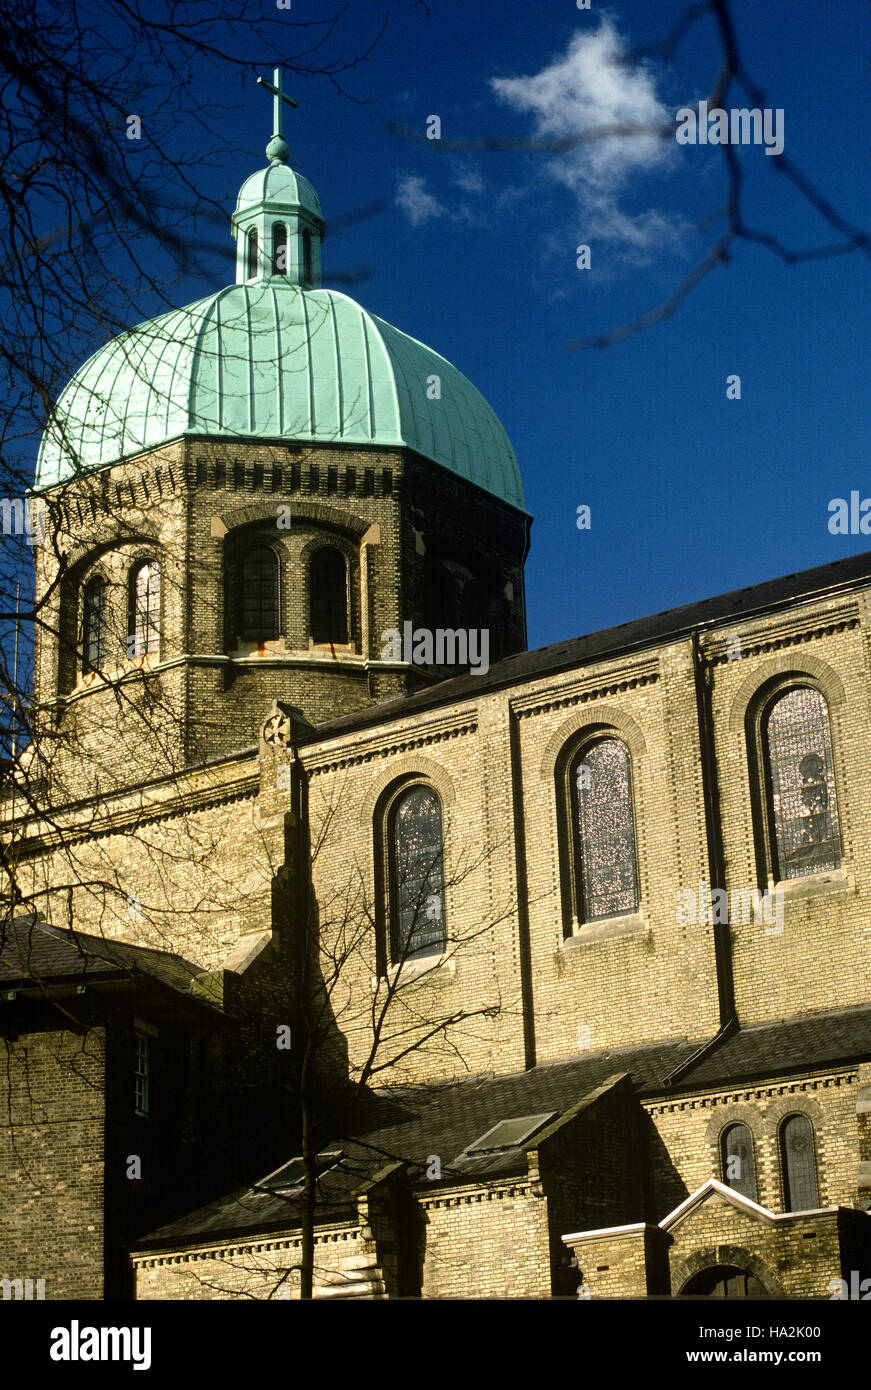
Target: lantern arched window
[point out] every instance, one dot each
(143, 626)
(328, 596)
(258, 595)
(94, 625)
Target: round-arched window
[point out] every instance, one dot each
(328, 595)
(739, 1167)
(258, 620)
(252, 253)
(279, 248)
(143, 629)
(94, 625)
(798, 1164)
(800, 784)
(417, 888)
(606, 879)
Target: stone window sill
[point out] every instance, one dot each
(812, 885)
(327, 648)
(93, 679)
(439, 968)
(243, 649)
(588, 933)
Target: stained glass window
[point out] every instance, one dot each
(259, 595)
(739, 1168)
(417, 875)
(798, 1164)
(604, 831)
(94, 625)
(279, 248)
(802, 785)
(144, 629)
(328, 589)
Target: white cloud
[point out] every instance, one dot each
(589, 87)
(469, 178)
(418, 204)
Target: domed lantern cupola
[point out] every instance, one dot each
(277, 223)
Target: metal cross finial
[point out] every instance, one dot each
(278, 96)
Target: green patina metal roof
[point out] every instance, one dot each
(275, 357)
(278, 185)
(271, 360)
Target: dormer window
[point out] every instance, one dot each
(252, 253)
(279, 248)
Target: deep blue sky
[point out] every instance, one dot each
(691, 494)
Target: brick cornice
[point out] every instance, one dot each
(466, 1196)
(194, 1251)
(589, 687)
(788, 632)
(80, 824)
(735, 1095)
(331, 757)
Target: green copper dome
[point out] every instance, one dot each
(275, 357)
(278, 184)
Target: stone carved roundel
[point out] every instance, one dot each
(276, 730)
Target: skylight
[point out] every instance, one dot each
(508, 1134)
(292, 1174)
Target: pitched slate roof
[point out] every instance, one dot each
(409, 1125)
(412, 1124)
(758, 599)
(32, 951)
(806, 1043)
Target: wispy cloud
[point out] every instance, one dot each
(589, 87)
(468, 177)
(416, 201)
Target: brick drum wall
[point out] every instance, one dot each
(51, 1162)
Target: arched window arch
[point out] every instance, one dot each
(307, 257)
(94, 625)
(143, 627)
(739, 1166)
(799, 784)
(252, 253)
(258, 595)
(603, 831)
(798, 1164)
(328, 595)
(279, 248)
(416, 885)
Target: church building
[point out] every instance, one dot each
(549, 969)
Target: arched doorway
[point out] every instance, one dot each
(724, 1281)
